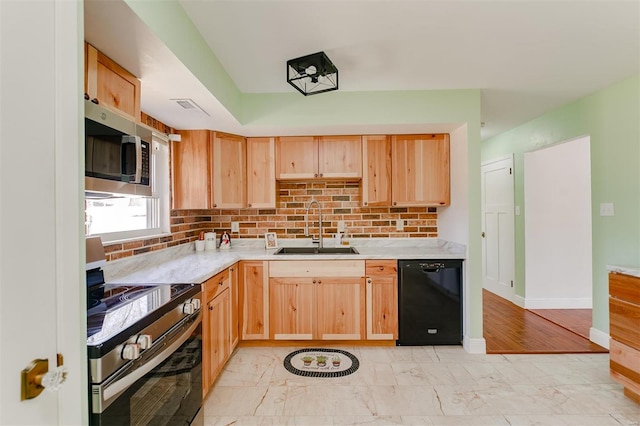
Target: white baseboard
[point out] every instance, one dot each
(474, 346)
(599, 337)
(577, 303)
(519, 300)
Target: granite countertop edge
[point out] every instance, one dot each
(184, 265)
(627, 270)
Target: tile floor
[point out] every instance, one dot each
(428, 385)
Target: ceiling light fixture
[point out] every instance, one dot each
(312, 74)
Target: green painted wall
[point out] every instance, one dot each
(611, 118)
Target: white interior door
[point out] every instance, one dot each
(498, 227)
(41, 287)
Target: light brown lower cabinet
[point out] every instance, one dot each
(254, 300)
(234, 288)
(319, 300)
(624, 329)
(216, 327)
(324, 308)
(382, 299)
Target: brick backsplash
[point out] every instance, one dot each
(340, 200)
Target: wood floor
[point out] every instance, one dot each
(575, 320)
(509, 329)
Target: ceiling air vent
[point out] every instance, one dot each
(189, 104)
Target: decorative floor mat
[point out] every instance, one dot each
(321, 362)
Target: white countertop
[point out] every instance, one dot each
(628, 270)
(182, 264)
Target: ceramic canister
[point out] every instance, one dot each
(210, 241)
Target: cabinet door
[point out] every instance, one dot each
(420, 170)
(340, 303)
(254, 300)
(229, 171)
(382, 299)
(235, 308)
(376, 171)
(191, 170)
(219, 317)
(296, 157)
(292, 308)
(110, 84)
(340, 156)
(261, 173)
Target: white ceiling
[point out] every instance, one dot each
(526, 56)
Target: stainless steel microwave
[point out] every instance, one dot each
(117, 153)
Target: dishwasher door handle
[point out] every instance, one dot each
(431, 267)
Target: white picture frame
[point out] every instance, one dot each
(270, 240)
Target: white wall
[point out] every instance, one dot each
(557, 204)
(453, 220)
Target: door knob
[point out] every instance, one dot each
(482, 234)
(36, 377)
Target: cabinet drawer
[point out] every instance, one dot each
(625, 360)
(624, 287)
(316, 268)
(215, 285)
(624, 318)
(381, 267)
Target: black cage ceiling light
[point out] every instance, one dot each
(312, 74)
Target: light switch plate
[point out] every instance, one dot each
(606, 209)
(399, 225)
(235, 227)
(517, 210)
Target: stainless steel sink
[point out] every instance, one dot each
(316, 250)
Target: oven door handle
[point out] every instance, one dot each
(112, 389)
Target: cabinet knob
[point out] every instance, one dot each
(86, 97)
(395, 203)
(95, 101)
(315, 175)
(221, 282)
(368, 280)
(210, 308)
(365, 203)
(314, 281)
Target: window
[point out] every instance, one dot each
(123, 216)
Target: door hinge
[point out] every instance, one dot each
(511, 283)
(510, 171)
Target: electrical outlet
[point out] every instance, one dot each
(235, 227)
(399, 225)
(606, 209)
(341, 226)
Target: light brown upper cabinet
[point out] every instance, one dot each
(208, 170)
(229, 171)
(110, 85)
(376, 171)
(420, 170)
(191, 170)
(340, 156)
(308, 157)
(261, 173)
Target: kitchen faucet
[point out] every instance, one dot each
(306, 221)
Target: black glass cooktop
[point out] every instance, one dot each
(113, 308)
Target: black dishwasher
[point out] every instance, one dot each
(430, 302)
